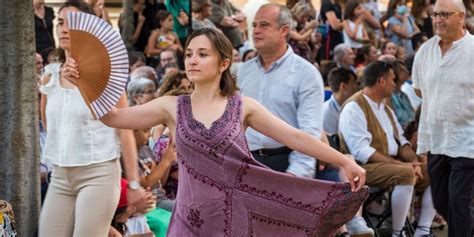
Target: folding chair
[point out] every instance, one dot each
(377, 220)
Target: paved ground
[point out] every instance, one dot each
(438, 233)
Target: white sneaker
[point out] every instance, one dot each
(358, 227)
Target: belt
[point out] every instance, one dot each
(273, 151)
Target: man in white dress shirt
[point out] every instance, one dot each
(443, 71)
(370, 131)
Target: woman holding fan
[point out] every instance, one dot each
(85, 183)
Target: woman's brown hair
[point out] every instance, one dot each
(80, 5)
(223, 47)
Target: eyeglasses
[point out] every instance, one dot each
(442, 15)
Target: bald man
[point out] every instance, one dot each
(443, 73)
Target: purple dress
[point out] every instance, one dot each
(224, 191)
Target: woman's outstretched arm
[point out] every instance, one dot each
(260, 119)
(157, 111)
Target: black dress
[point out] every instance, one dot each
(44, 31)
(331, 37)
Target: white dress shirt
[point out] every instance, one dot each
(292, 89)
(353, 126)
(447, 88)
(74, 137)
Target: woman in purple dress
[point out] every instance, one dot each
(223, 191)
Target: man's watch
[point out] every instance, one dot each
(134, 185)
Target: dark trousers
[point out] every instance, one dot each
(452, 187)
(277, 162)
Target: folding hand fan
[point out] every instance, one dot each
(102, 58)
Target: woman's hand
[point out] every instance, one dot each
(70, 70)
(355, 174)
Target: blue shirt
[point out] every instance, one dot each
(405, 43)
(293, 90)
(403, 109)
(331, 116)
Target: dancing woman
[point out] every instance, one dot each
(223, 190)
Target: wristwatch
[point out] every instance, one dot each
(134, 185)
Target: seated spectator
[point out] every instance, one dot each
(385, 57)
(400, 54)
(175, 81)
(388, 47)
(144, 72)
(418, 39)
(141, 91)
(170, 68)
(365, 55)
(129, 219)
(55, 56)
(326, 67)
(343, 84)
(399, 101)
(370, 133)
(408, 89)
(201, 10)
(136, 59)
(167, 55)
(39, 66)
(344, 56)
(236, 62)
(166, 170)
(249, 54)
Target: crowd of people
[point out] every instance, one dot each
(234, 129)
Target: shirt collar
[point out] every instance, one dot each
(374, 104)
(277, 63)
(459, 41)
(334, 102)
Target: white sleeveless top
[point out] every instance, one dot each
(74, 138)
(354, 44)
